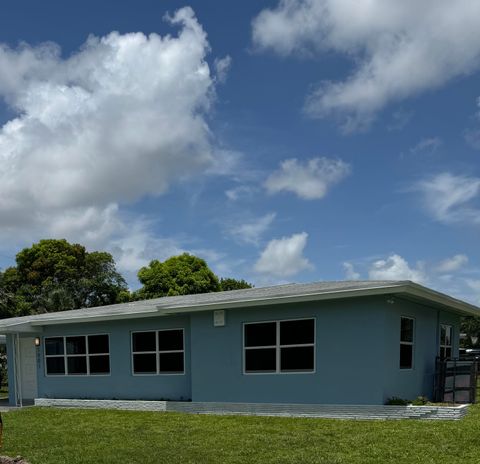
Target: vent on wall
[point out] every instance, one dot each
(219, 318)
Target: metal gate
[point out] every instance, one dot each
(455, 380)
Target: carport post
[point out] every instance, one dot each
(18, 370)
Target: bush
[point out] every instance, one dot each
(420, 401)
(396, 401)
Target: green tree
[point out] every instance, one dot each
(54, 275)
(471, 327)
(229, 283)
(7, 298)
(179, 275)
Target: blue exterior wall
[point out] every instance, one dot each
(357, 356)
(121, 383)
(349, 339)
(410, 383)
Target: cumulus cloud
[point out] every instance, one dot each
(452, 264)
(251, 231)
(310, 180)
(350, 272)
(449, 198)
(452, 275)
(399, 49)
(396, 268)
(284, 257)
(122, 118)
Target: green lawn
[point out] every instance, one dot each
(94, 436)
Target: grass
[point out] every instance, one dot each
(74, 436)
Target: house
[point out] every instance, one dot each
(358, 342)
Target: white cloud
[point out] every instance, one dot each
(123, 118)
(448, 197)
(250, 231)
(452, 264)
(284, 257)
(311, 180)
(242, 191)
(135, 244)
(396, 268)
(399, 49)
(222, 66)
(453, 275)
(350, 273)
(427, 145)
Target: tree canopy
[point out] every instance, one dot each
(233, 284)
(182, 275)
(471, 328)
(179, 275)
(55, 275)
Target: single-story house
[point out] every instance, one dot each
(358, 342)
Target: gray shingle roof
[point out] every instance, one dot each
(234, 298)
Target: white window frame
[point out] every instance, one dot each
(443, 347)
(65, 356)
(412, 343)
(278, 347)
(157, 353)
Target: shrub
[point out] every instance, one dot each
(396, 401)
(420, 401)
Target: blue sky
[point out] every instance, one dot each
(281, 141)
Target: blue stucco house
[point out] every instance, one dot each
(357, 342)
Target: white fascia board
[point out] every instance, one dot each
(23, 327)
(97, 318)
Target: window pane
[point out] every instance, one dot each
(144, 363)
(263, 360)
(98, 344)
(406, 356)
(144, 341)
(406, 334)
(297, 332)
(171, 362)
(76, 345)
(77, 365)
(99, 364)
(297, 359)
(169, 340)
(56, 366)
(448, 335)
(442, 335)
(54, 345)
(263, 334)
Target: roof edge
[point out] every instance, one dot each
(319, 296)
(395, 288)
